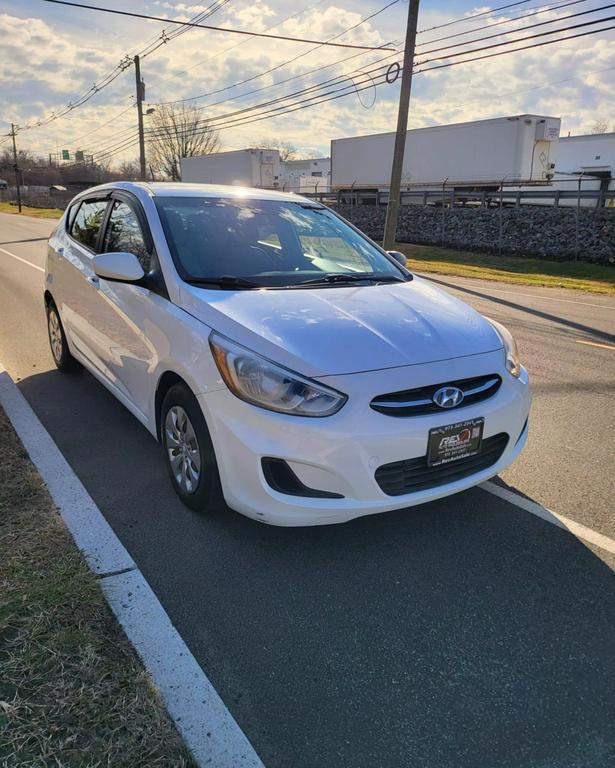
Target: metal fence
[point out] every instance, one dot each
(579, 192)
(38, 198)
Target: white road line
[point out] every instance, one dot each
(203, 720)
(23, 261)
(430, 276)
(576, 529)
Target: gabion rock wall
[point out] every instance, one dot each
(547, 232)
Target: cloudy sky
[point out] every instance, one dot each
(52, 54)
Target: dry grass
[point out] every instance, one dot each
(72, 690)
(26, 210)
(581, 276)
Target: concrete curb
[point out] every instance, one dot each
(209, 730)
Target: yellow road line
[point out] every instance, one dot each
(596, 344)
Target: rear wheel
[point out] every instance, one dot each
(57, 341)
(188, 450)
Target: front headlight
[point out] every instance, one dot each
(259, 381)
(513, 362)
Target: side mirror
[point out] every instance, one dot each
(398, 256)
(121, 266)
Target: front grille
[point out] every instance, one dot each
(412, 475)
(416, 402)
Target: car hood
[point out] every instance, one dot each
(349, 329)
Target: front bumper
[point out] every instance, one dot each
(341, 453)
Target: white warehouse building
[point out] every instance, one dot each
(591, 154)
(584, 173)
(309, 175)
(254, 167)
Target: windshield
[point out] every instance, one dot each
(267, 243)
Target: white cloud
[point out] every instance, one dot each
(56, 63)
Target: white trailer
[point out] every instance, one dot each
(242, 167)
(480, 154)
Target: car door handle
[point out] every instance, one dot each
(94, 280)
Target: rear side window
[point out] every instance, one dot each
(124, 233)
(70, 216)
(86, 224)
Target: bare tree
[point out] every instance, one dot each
(34, 171)
(128, 170)
(177, 132)
(600, 126)
(286, 149)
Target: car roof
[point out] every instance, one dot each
(178, 189)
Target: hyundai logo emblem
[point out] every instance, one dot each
(448, 397)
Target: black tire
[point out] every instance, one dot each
(206, 491)
(57, 342)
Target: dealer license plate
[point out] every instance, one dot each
(455, 441)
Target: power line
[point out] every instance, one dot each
(339, 78)
(236, 45)
(515, 50)
(126, 144)
(318, 86)
(118, 138)
(108, 150)
(528, 26)
(463, 19)
(86, 96)
(311, 7)
(147, 50)
(509, 42)
(543, 9)
(242, 117)
(261, 74)
(124, 64)
(236, 120)
(297, 77)
(288, 61)
(165, 38)
(101, 126)
(331, 96)
(214, 29)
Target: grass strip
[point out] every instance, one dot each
(26, 210)
(581, 276)
(73, 692)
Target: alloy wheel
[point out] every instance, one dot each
(182, 449)
(55, 335)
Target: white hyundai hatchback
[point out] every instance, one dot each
(285, 362)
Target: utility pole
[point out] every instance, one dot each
(16, 166)
(390, 226)
(140, 96)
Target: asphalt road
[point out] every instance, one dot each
(462, 634)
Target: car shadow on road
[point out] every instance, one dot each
(464, 633)
(586, 329)
(26, 240)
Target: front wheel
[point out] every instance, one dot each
(188, 450)
(57, 341)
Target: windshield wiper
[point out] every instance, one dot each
(343, 277)
(225, 281)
